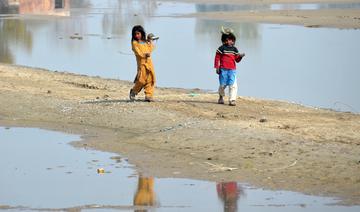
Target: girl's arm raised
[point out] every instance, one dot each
(151, 46)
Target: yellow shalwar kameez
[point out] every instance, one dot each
(145, 77)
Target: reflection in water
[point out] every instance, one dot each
(8, 8)
(80, 4)
(229, 193)
(116, 15)
(59, 4)
(229, 7)
(127, 13)
(3, 4)
(145, 194)
(5, 53)
(124, 13)
(211, 28)
(251, 32)
(13, 31)
(38, 177)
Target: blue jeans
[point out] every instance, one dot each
(227, 77)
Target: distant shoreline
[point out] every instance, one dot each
(334, 18)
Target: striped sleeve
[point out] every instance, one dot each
(218, 54)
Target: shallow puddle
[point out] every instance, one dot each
(41, 171)
(312, 66)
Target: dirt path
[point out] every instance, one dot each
(184, 134)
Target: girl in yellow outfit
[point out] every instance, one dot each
(145, 77)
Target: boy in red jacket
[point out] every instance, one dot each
(226, 58)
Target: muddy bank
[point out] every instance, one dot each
(336, 18)
(271, 144)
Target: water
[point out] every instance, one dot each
(41, 171)
(316, 67)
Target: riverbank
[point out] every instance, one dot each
(270, 144)
(326, 17)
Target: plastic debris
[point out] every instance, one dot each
(100, 170)
(193, 94)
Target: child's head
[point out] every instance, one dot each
(228, 38)
(138, 33)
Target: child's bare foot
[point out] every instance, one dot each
(232, 103)
(132, 95)
(221, 100)
(149, 99)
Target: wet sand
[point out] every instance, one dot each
(271, 144)
(336, 18)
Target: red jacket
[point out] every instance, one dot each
(226, 56)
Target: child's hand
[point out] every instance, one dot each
(218, 71)
(242, 55)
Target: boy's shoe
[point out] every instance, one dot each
(221, 100)
(149, 99)
(132, 95)
(232, 103)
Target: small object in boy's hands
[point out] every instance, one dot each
(226, 31)
(242, 55)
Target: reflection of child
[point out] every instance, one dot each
(145, 77)
(229, 193)
(145, 194)
(225, 58)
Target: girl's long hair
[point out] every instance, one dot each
(138, 28)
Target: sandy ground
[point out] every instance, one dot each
(272, 144)
(337, 18)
